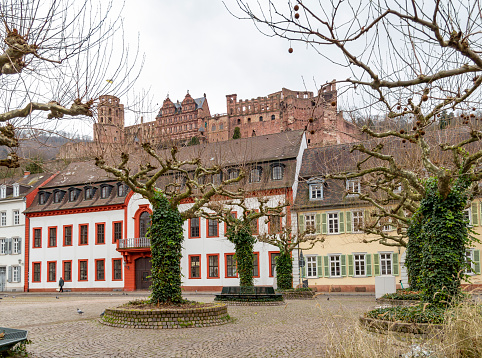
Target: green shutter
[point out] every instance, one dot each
(376, 264)
(323, 223)
(318, 223)
(301, 224)
(475, 214)
(477, 261)
(341, 225)
(369, 264)
(350, 265)
(319, 265)
(348, 222)
(343, 265)
(395, 264)
(327, 268)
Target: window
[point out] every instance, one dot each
(122, 189)
(3, 246)
(67, 271)
(15, 273)
(68, 235)
(273, 117)
(213, 228)
(256, 264)
(194, 266)
(255, 175)
(117, 231)
(468, 216)
(213, 266)
(83, 234)
(16, 249)
(260, 118)
(73, 194)
(333, 223)
(99, 270)
(42, 198)
(311, 269)
(233, 173)
(82, 270)
(16, 217)
(37, 237)
(213, 127)
(310, 223)
(144, 223)
(352, 187)
(386, 263)
(52, 267)
(105, 191)
(335, 265)
(386, 224)
(473, 261)
(3, 191)
(277, 172)
(36, 272)
(58, 196)
(100, 233)
(272, 262)
(254, 226)
(16, 189)
(274, 224)
(316, 191)
(357, 221)
(359, 263)
(52, 236)
(194, 228)
(117, 269)
(89, 193)
(230, 265)
(3, 218)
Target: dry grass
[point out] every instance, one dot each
(461, 338)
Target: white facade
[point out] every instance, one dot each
(12, 236)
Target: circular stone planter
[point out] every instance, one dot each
(168, 318)
(381, 326)
(300, 295)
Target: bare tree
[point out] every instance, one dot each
(56, 58)
(166, 183)
(407, 60)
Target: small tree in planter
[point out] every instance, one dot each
(286, 242)
(165, 233)
(240, 232)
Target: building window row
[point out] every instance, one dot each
(88, 193)
(337, 222)
(276, 173)
(213, 264)
(10, 245)
(351, 265)
(15, 190)
(99, 274)
(83, 234)
(15, 218)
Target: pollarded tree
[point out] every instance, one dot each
(166, 183)
(55, 57)
(406, 60)
(240, 229)
(286, 241)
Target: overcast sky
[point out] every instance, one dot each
(197, 45)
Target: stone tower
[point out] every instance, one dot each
(109, 127)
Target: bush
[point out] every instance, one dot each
(403, 295)
(411, 314)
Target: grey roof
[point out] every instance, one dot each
(199, 102)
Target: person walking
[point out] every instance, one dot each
(61, 284)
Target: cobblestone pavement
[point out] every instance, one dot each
(300, 328)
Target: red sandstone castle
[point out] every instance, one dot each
(181, 122)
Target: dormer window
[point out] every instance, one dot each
(73, 194)
(3, 191)
(315, 186)
(89, 193)
(105, 191)
(43, 197)
(277, 171)
(217, 178)
(353, 187)
(255, 175)
(122, 189)
(16, 189)
(58, 196)
(233, 173)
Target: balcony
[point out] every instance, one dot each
(133, 243)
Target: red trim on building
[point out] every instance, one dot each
(226, 265)
(95, 267)
(63, 270)
(56, 236)
(113, 230)
(87, 270)
(40, 270)
(256, 253)
(80, 234)
(207, 228)
(71, 235)
(77, 210)
(113, 279)
(207, 263)
(33, 237)
(48, 271)
(142, 208)
(97, 233)
(189, 267)
(189, 229)
(269, 257)
(26, 284)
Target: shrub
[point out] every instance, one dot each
(412, 314)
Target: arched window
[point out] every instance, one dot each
(144, 223)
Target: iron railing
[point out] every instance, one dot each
(134, 242)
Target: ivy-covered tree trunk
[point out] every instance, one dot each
(444, 236)
(414, 255)
(240, 235)
(166, 244)
(284, 271)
